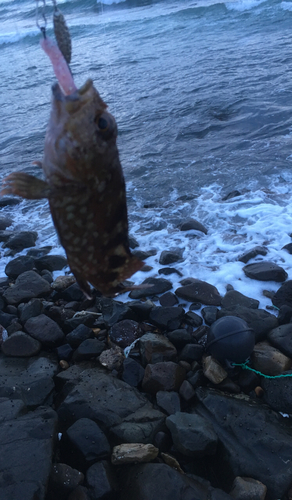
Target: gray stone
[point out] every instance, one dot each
(254, 442)
(78, 335)
(86, 442)
(209, 314)
(33, 308)
(247, 488)
(168, 299)
(167, 318)
(170, 256)
(253, 252)
(140, 426)
(11, 409)
(101, 481)
(19, 265)
(51, 263)
(179, 338)
(193, 319)
(45, 330)
(158, 285)
(186, 391)
(156, 348)
(20, 240)
(199, 291)
(191, 352)
(168, 401)
(265, 271)
(27, 286)
(128, 453)
(90, 348)
(20, 344)
(166, 376)
(133, 372)
(192, 435)
(26, 455)
(233, 298)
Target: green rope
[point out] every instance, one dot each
(245, 367)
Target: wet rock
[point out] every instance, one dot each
(85, 443)
(247, 488)
(63, 282)
(269, 360)
(141, 309)
(9, 201)
(72, 292)
(114, 311)
(253, 252)
(101, 397)
(168, 401)
(5, 235)
(151, 481)
(232, 194)
(233, 298)
(156, 348)
(101, 481)
(26, 455)
(7, 319)
(90, 348)
(27, 286)
(51, 263)
(133, 243)
(158, 285)
(213, 371)
(20, 240)
(167, 376)
(64, 479)
(169, 270)
(285, 315)
(19, 265)
(193, 319)
(259, 320)
(168, 299)
(5, 222)
(197, 379)
(78, 335)
(129, 453)
(125, 332)
(140, 426)
(250, 439)
(199, 291)
(20, 344)
(283, 295)
(209, 314)
(193, 224)
(265, 271)
(45, 330)
(192, 435)
(278, 393)
(191, 352)
(39, 252)
(170, 256)
(281, 338)
(133, 372)
(33, 308)
(143, 255)
(168, 318)
(11, 409)
(112, 359)
(179, 338)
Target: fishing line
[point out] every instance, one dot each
(108, 67)
(244, 366)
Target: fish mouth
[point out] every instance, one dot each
(75, 101)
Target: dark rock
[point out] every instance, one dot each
(64, 352)
(114, 311)
(142, 255)
(73, 292)
(166, 376)
(288, 247)
(191, 352)
(133, 243)
(90, 348)
(168, 401)
(231, 195)
(19, 265)
(11, 409)
(47, 275)
(78, 335)
(125, 332)
(152, 481)
(265, 271)
(227, 385)
(269, 360)
(101, 397)
(39, 252)
(64, 479)
(281, 338)
(5, 222)
(197, 379)
(26, 455)
(167, 318)
(141, 309)
(195, 306)
(193, 319)
(158, 285)
(186, 391)
(45, 330)
(37, 392)
(259, 320)
(13, 327)
(199, 291)
(285, 315)
(133, 372)
(6, 319)
(5, 235)
(250, 439)
(156, 348)
(86, 443)
(253, 252)
(179, 338)
(192, 435)
(101, 481)
(233, 298)
(169, 270)
(283, 295)
(209, 314)
(80, 493)
(170, 256)
(20, 344)
(20, 240)
(278, 393)
(9, 201)
(33, 308)
(27, 286)
(162, 441)
(246, 488)
(168, 299)
(72, 323)
(193, 224)
(248, 380)
(51, 263)
(139, 427)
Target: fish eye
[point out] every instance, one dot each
(102, 124)
(106, 125)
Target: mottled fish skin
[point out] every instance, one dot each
(86, 190)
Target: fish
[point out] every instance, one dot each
(84, 184)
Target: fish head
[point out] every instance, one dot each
(81, 134)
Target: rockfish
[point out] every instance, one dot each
(84, 183)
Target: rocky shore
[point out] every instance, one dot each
(102, 399)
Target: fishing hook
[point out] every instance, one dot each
(42, 14)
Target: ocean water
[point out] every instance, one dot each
(202, 94)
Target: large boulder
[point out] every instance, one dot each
(27, 286)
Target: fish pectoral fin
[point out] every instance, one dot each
(25, 185)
